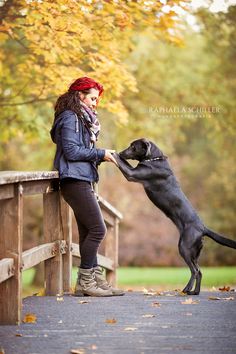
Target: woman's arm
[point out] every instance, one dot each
(73, 149)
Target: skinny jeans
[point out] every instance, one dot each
(91, 226)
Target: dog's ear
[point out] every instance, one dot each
(148, 146)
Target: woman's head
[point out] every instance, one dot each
(83, 89)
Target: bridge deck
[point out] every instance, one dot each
(206, 327)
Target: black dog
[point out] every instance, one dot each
(161, 186)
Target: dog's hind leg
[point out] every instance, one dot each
(198, 248)
(189, 255)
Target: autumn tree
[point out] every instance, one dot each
(47, 44)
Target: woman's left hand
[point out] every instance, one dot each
(108, 156)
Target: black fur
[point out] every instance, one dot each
(162, 188)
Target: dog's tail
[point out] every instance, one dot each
(220, 239)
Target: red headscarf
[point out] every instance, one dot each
(85, 83)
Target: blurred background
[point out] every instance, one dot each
(169, 74)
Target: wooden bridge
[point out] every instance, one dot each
(56, 252)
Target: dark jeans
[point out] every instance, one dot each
(92, 229)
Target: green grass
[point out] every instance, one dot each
(212, 276)
(159, 277)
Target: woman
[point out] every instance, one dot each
(75, 131)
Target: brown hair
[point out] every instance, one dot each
(69, 100)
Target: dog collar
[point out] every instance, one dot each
(157, 158)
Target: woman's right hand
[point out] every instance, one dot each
(108, 156)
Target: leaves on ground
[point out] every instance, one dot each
(148, 315)
(83, 302)
(156, 304)
(40, 293)
(225, 288)
(220, 298)
(111, 320)
(130, 329)
(30, 318)
(77, 351)
(190, 301)
(18, 335)
(60, 298)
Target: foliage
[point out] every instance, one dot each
(47, 44)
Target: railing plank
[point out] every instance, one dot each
(52, 232)
(11, 247)
(6, 269)
(41, 253)
(66, 219)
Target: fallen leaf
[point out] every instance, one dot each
(225, 288)
(181, 293)
(111, 320)
(148, 316)
(18, 335)
(2, 351)
(130, 329)
(220, 298)
(129, 290)
(188, 314)
(165, 326)
(77, 351)
(59, 298)
(40, 293)
(150, 292)
(190, 301)
(94, 347)
(156, 304)
(83, 302)
(30, 318)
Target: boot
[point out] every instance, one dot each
(103, 284)
(87, 286)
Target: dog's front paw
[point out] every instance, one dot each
(116, 157)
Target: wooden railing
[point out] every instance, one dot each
(56, 251)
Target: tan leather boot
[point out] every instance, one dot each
(103, 284)
(87, 286)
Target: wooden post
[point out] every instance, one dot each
(11, 247)
(53, 232)
(111, 250)
(66, 218)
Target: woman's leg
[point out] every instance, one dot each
(80, 196)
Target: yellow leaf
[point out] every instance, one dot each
(30, 318)
(190, 301)
(111, 320)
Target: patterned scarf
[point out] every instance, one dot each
(91, 121)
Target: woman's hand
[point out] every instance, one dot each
(108, 156)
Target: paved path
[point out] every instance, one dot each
(206, 327)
